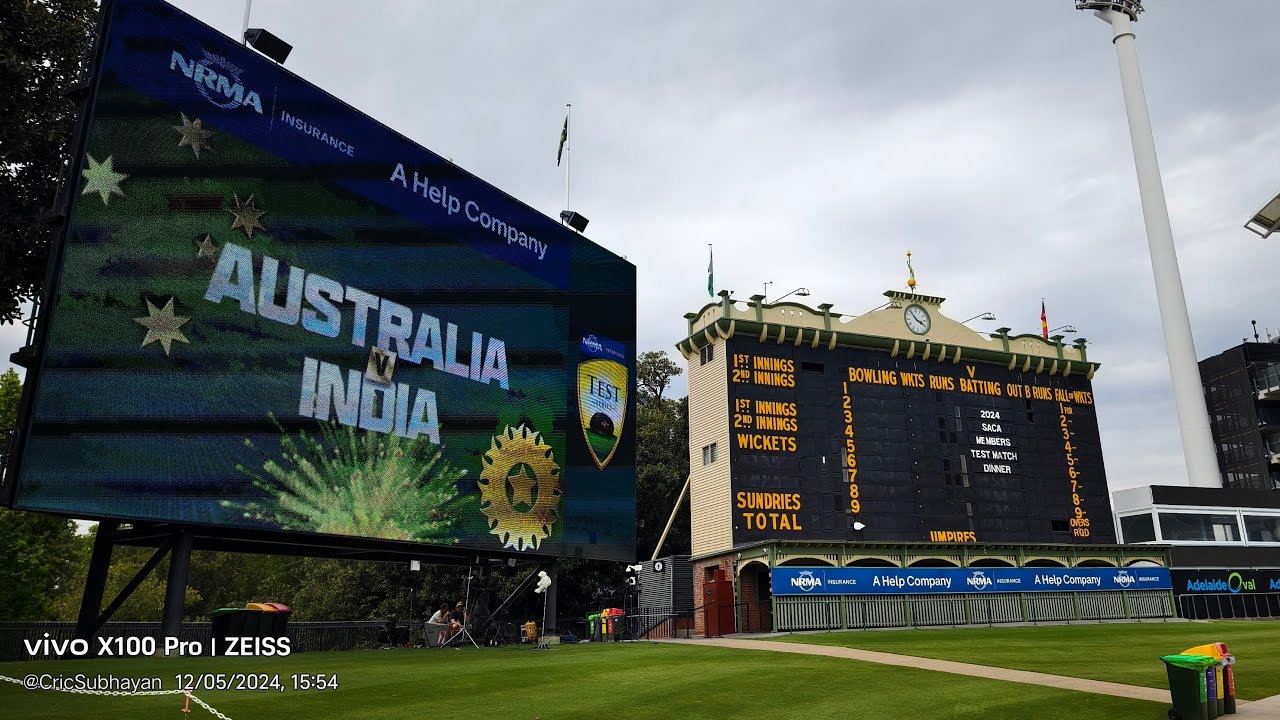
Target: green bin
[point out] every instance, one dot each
(1187, 686)
(227, 622)
(593, 627)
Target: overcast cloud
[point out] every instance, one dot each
(815, 142)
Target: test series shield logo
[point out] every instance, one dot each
(602, 400)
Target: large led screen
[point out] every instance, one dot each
(273, 312)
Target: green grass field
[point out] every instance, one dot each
(1125, 653)
(614, 680)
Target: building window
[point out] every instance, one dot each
(1201, 527)
(1137, 528)
(707, 354)
(708, 454)
(1261, 528)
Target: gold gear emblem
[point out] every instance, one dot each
(520, 488)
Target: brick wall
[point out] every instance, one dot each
(700, 571)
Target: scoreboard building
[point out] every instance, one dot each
(854, 471)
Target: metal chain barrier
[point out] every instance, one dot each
(125, 693)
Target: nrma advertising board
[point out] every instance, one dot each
(272, 312)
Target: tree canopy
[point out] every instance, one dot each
(41, 46)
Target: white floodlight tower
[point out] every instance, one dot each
(1188, 394)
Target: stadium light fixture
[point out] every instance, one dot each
(574, 220)
(1267, 220)
(267, 44)
(980, 316)
(1065, 328)
(798, 292)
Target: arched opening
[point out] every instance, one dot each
(756, 595)
(989, 562)
(1142, 563)
(872, 562)
(1094, 562)
(1043, 562)
(932, 563)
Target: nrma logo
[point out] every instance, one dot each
(979, 580)
(591, 343)
(217, 80)
(1123, 579)
(806, 581)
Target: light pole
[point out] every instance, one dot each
(980, 316)
(1188, 394)
(1064, 328)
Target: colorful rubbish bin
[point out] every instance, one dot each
(1224, 680)
(259, 620)
(593, 627)
(1188, 686)
(280, 619)
(613, 618)
(228, 622)
(1229, 676)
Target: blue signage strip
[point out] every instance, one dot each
(913, 581)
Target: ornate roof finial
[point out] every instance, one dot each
(911, 281)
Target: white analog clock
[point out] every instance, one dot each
(917, 319)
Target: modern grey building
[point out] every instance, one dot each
(1242, 393)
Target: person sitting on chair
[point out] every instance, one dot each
(441, 618)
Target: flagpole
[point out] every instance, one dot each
(568, 156)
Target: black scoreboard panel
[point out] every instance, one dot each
(915, 450)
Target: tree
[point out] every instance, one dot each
(41, 46)
(36, 553)
(10, 395)
(37, 562)
(662, 456)
(654, 372)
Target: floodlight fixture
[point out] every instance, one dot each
(1267, 220)
(577, 221)
(1128, 7)
(799, 292)
(1065, 328)
(267, 44)
(980, 316)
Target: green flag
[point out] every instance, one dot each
(711, 276)
(564, 137)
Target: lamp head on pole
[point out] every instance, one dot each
(267, 44)
(1267, 220)
(1128, 7)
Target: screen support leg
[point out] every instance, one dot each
(176, 588)
(96, 581)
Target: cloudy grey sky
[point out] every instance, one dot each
(815, 142)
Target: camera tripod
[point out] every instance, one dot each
(468, 612)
